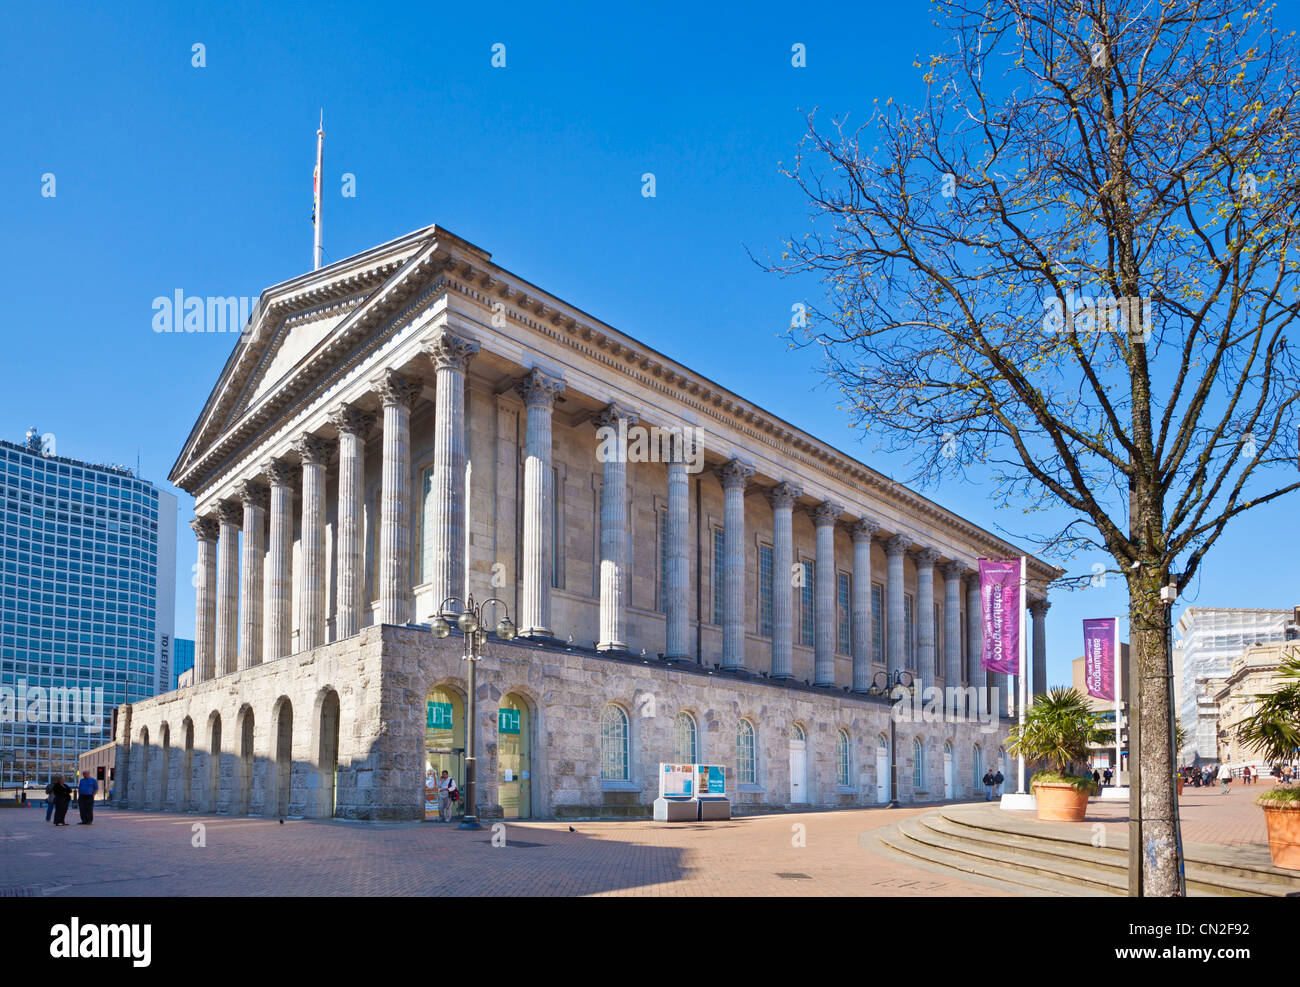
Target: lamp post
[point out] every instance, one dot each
(470, 622)
(897, 685)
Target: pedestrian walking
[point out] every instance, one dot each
(1106, 776)
(86, 789)
(988, 786)
(997, 783)
(1225, 776)
(1245, 775)
(1096, 777)
(62, 797)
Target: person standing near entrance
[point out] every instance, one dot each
(86, 789)
(988, 786)
(445, 787)
(1225, 776)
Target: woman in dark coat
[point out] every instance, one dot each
(62, 796)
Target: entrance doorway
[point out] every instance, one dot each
(948, 787)
(798, 766)
(514, 758)
(444, 747)
(882, 770)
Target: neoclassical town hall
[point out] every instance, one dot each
(416, 423)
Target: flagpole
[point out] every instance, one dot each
(1022, 690)
(320, 153)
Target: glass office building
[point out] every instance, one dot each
(182, 660)
(87, 603)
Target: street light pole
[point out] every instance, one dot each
(470, 622)
(897, 685)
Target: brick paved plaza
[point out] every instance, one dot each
(130, 853)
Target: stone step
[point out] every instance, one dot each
(1213, 868)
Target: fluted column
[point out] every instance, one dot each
(613, 531)
(353, 426)
(863, 531)
(311, 581)
(277, 611)
(896, 646)
(230, 515)
(1038, 609)
(783, 497)
(824, 517)
(444, 512)
(678, 576)
(205, 599)
(975, 637)
(734, 475)
(926, 669)
(397, 394)
(952, 629)
(254, 498)
(539, 391)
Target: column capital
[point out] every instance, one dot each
(926, 558)
(230, 512)
(954, 571)
(313, 449)
(897, 546)
(204, 527)
(783, 495)
(396, 389)
(826, 513)
(450, 351)
(280, 472)
(254, 494)
(351, 421)
(539, 389)
(864, 529)
(734, 474)
(608, 416)
(1039, 608)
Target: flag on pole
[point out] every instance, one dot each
(1099, 657)
(1000, 607)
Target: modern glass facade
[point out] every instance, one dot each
(87, 593)
(182, 660)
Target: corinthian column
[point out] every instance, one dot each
(676, 642)
(353, 426)
(1038, 609)
(824, 517)
(397, 394)
(253, 496)
(734, 475)
(926, 669)
(975, 636)
(896, 646)
(613, 525)
(444, 509)
(538, 391)
(952, 575)
(311, 581)
(205, 599)
(278, 610)
(783, 498)
(863, 531)
(230, 515)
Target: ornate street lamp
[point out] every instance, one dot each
(470, 623)
(897, 685)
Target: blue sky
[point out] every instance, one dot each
(174, 177)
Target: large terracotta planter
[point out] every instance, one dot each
(1283, 822)
(1180, 786)
(1060, 803)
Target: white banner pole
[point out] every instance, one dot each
(1118, 663)
(1023, 684)
(319, 190)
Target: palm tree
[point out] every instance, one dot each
(1060, 728)
(1274, 728)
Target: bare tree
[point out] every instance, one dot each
(1071, 268)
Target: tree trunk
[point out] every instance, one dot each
(1148, 645)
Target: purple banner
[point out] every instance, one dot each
(1099, 657)
(1000, 606)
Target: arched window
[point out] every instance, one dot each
(613, 744)
(796, 732)
(746, 757)
(977, 760)
(842, 758)
(684, 738)
(918, 764)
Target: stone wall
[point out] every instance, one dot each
(380, 679)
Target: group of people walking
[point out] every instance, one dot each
(1224, 775)
(59, 795)
(992, 784)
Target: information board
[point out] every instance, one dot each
(710, 780)
(676, 780)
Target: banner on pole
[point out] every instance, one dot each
(1099, 657)
(1000, 605)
